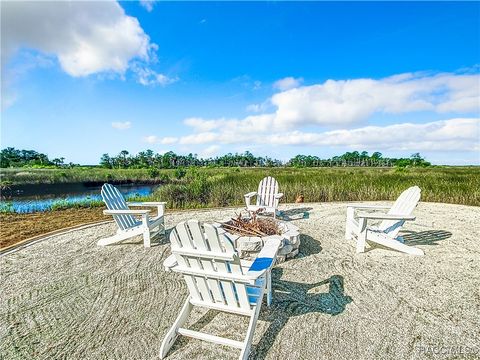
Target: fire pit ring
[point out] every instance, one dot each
(248, 247)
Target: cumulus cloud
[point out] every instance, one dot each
(287, 83)
(340, 102)
(254, 123)
(86, 37)
(122, 125)
(345, 104)
(458, 134)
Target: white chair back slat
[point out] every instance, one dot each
(235, 267)
(194, 235)
(189, 279)
(114, 200)
(267, 189)
(186, 239)
(404, 205)
(217, 245)
(201, 241)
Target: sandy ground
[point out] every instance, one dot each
(64, 297)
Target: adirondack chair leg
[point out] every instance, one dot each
(146, 232)
(251, 329)
(348, 225)
(172, 334)
(146, 238)
(386, 241)
(161, 226)
(362, 235)
(269, 287)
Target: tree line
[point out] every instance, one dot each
(11, 157)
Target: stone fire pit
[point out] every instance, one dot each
(248, 247)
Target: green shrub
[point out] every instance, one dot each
(179, 173)
(153, 172)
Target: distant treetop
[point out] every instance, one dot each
(11, 157)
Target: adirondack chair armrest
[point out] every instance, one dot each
(278, 196)
(386, 216)
(248, 198)
(170, 262)
(147, 203)
(126, 212)
(368, 206)
(160, 205)
(266, 258)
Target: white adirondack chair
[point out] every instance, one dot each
(386, 234)
(128, 225)
(217, 279)
(268, 196)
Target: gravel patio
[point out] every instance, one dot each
(65, 297)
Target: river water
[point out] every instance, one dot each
(42, 197)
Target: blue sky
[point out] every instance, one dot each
(278, 79)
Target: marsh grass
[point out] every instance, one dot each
(19, 176)
(226, 187)
(220, 187)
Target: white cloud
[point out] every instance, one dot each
(122, 125)
(340, 102)
(209, 151)
(147, 4)
(458, 134)
(86, 37)
(149, 77)
(250, 124)
(287, 83)
(345, 102)
(201, 125)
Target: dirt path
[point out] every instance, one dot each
(18, 227)
(65, 297)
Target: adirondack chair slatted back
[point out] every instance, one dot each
(201, 248)
(267, 189)
(404, 205)
(114, 200)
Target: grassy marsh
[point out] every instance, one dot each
(218, 187)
